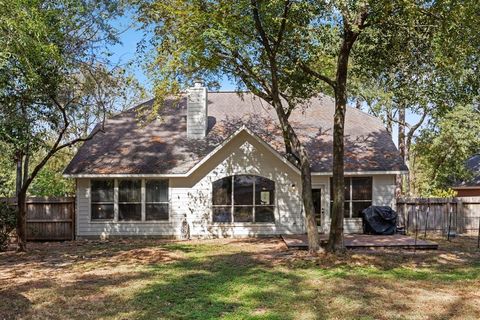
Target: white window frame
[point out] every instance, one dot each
(351, 201)
(126, 202)
(100, 202)
(144, 201)
(116, 203)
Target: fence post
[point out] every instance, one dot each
(462, 216)
(426, 220)
(449, 220)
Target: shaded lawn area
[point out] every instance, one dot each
(236, 279)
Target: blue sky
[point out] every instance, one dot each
(126, 52)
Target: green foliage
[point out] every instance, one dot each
(7, 223)
(7, 171)
(440, 152)
(49, 181)
(56, 81)
(212, 40)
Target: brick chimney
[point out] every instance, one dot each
(197, 118)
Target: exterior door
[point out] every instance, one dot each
(317, 205)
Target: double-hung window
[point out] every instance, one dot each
(243, 198)
(102, 199)
(156, 200)
(358, 196)
(129, 200)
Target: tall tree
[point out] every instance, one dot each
(265, 44)
(394, 43)
(250, 41)
(436, 70)
(52, 69)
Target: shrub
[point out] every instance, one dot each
(8, 219)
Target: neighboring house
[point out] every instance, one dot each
(214, 165)
(470, 187)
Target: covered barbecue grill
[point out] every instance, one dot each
(379, 220)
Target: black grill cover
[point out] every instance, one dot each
(379, 220)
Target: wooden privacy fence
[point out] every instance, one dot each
(50, 218)
(460, 215)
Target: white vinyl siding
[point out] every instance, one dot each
(190, 198)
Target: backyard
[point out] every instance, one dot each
(237, 279)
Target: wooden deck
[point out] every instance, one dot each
(353, 241)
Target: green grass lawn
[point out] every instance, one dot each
(236, 279)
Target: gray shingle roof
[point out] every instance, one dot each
(473, 164)
(161, 147)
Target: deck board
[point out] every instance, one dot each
(353, 241)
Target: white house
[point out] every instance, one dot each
(213, 165)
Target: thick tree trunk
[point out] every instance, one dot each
(19, 175)
(296, 146)
(307, 197)
(401, 148)
(335, 240)
(21, 221)
(26, 162)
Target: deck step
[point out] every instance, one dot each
(353, 241)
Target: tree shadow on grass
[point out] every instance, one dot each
(232, 286)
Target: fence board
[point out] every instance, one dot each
(461, 214)
(49, 218)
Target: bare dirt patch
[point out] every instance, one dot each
(237, 278)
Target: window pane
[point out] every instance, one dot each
(243, 214)
(156, 190)
(222, 214)
(317, 200)
(362, 188)
(264, 214)
(357, 208)
(243, 190)
(157, 211)
(347, 189)
(264, 191)
(346, 209)
(102, 211)
(129, 212)
(222, 191)
(102, 190)
(129, 191)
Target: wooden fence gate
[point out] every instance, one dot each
(50, 218)
(460, 215)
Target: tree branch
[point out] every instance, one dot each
(260, 29)
(283, 24)
(318, 75)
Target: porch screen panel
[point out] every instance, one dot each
(129, 200)
(102, 199)
(156, 200)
